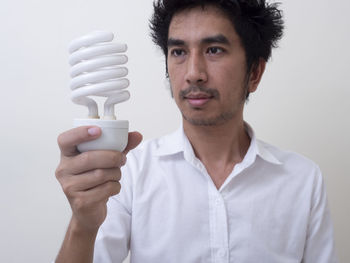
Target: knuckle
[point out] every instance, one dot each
(59, 172)
(99, 174)
(118, 174)
(115, 188)
(114, 158)
(60, 140)
(114, 174)
(68, 189)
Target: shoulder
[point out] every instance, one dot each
(298, 174)
(292, 162)
(287, 156)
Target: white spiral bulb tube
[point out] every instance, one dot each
(96, 71)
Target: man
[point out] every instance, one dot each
(210, 192)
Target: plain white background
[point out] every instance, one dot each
(302, 104)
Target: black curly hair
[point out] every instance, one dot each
(258, 24)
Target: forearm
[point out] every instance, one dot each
(78, 245)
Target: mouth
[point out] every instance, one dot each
(198, 99)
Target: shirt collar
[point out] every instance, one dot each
(177, 142)
(258, 148)
(173, 143)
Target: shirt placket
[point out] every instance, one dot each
(218, 226)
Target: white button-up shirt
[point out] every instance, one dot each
(272, 208)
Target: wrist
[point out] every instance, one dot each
(78, 244)
(79, 229)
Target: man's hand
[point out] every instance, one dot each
(88, 179)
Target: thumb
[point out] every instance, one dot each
(134, 139)
(69, 140)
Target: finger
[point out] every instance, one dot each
(134, 139)
(92, 160)
(69, 140)
(101, 192)
(89, 180)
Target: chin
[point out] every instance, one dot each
(214, 121)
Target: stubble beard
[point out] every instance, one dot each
(221, 118)
(215, 121)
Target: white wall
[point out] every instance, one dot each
(302, 104)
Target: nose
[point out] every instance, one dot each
(196, 70)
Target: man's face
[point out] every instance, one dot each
(206, 66)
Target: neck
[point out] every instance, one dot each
(219, 147)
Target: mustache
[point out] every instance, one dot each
(210, 92)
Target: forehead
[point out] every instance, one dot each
(199, 22)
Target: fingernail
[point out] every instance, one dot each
(93, 131)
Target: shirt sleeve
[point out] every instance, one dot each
(113, 238)
(319, 241)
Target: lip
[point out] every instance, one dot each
(198, 99)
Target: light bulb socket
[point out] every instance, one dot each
(114, 134)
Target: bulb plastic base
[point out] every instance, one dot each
(114, 135)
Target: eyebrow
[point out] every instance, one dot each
(175, 42)
(207, 40)
(216, 39)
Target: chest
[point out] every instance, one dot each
(182, 217)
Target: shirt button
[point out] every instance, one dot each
(221, 253)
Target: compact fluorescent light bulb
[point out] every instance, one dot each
(96, 71)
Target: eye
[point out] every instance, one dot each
(215, 50)
(178, 52)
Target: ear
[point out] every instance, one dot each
(256, 75)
